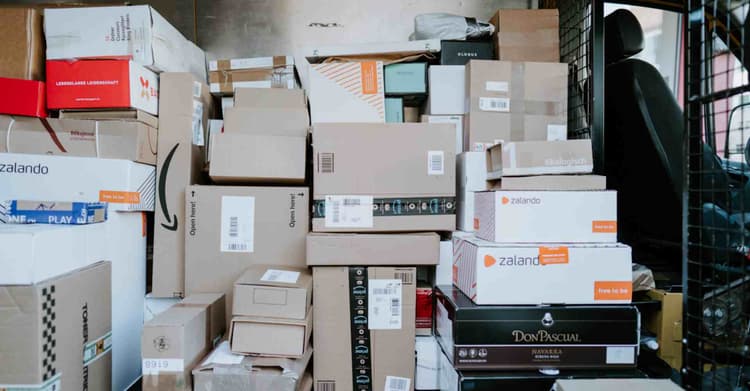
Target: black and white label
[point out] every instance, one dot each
(283, 276)
(394, 383)
(435, 163)
(325, 163)
(198, 130)
(348, 211)
(237, 224)
(384, 304)
(494, 104)
(197, 89)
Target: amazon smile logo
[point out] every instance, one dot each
(172, 223)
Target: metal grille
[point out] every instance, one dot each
(716, 274)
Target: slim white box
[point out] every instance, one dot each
(471, 176)
(447, 85)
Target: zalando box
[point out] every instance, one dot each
(546, 216)
(542, 273)
(347, 92)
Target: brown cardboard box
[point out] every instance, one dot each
(551, 182)
(269, 98)
(539, 158)
(215, 305)
(180, 163)
(128, 140)
(100, 115)
(257, 158)
(395, 177)
(387, 347)
(272, 337)
(57, 334)
(171, 345)
(276, 121)
(269, 225)
(527, 35)
(615, 385)
(22, 52)
(667, 325)
(514, 101)
(324, 249)
(273, 292)
(225, 371)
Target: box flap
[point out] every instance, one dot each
(277, 276)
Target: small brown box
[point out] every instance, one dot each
(250, 335)
(527, 35)
(273, 292)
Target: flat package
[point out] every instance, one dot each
(363, 327)
(119, 115)
(500, 274)
(22, 55)
(551, 182)
(471, 176)
(29, 97)
(447, 89)
(456, 120)
(36, 212)
(527, 337)
(227, 75)
(346, 92)
(527, 35)
(273, 292)
(410, 185)
(328, 249)
(546, 216)
(57, 334)
(616, 385)
(124, 32)
(539, 158)
(291, 337)
(459, 52)
(406, 78)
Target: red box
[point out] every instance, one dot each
(424, 311)
(101, 84)
(22, 97)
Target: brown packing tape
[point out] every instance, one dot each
(517, 102)
(279, 61)
(223, 65)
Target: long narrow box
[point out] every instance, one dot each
(526, 337)
(344, 249)
(539, 158)
(227, 75)
(546, 216)
(616, 385)
(384, 177)
(36, 212)
(273, 292)
(347, 92)
(542, 273)
(552, 183)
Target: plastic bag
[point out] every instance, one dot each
(447, 26)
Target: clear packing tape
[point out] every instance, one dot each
(448, 26)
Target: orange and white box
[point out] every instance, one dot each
(101, 84)
(542, 273)
(347, 92)
(125, 185)
(546, 216)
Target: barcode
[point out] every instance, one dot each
(326, 162)
(396, 307)
(397, 384)
(234, 226)
(435, 163)
(494, 104)
(405, 277)
(336, 212)
(351, 202)
(384, 291)
(325, 386)
(498, 104)
(197, 89)
(237, 247)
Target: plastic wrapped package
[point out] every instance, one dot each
(447, 26)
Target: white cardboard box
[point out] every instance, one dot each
(347, 92)
(546, 216)
(447, 85)
(542, 273)
(471, 176)
(133, 32)
(457, 120)
(428, 364)
(539, 158)
(444, 268)
(125, 185)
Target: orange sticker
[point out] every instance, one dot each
(369, 74)
(613, 290)
(505, 200)
(120, 197)
(604, 227)
(553, 255)
(476, 223)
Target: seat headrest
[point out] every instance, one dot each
(623, 36)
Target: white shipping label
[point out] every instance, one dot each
(494, 104)
(557, 132)
(237, 224)
(393, 383)
(498, 86)
(285, 276)
(384, 304)
(197, 89)
(348, 211)
(153, 366)
(435, 163)
(198, 123)
(620, 355)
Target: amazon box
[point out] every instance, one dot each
(57, 334)
(542, 273)
(232, 228)
(364, 329)
(410, 184)
(22, 54)
(514, 101)
(184, 109)
(273, 292)
(527, 35)
(250, 335)
(215, 306)
(328, 249)
(539, 158)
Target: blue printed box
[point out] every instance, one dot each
(39, 212)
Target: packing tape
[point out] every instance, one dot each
(7, 134)
(518, 104)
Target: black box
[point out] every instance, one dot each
(534, 337)
(454, 52)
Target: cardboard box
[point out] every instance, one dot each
(233, 228)
(250, 335)
(346, 92)
(471, 176)
(447, 90)
(444, 268)
(225, 371)
(514, 101)
(215, 306)
(667, 325)
(22, 55)
(424, 310)
(28, 97)
(411, 114)
(133, 32)
(257, 158)
(273, 292)
(459, 52)
(101, 84)
(372, 249)
(406, 78)
(122, 115)
(394, 110)
(585, 273)
(153, 306)
(228, 75)
(128, 140)
(420, 198)
(527, 35)
(270, 98)
(123, 184)
(383, 329)
(616, 385)
(250, 63)
(172, 344)
(275, 121)
(428, 364)
(539, 158)
(357, 50)
(546, 216)
(456, 120)
(71, 213)
(551, 182)
(185, 107)
(57, 334)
